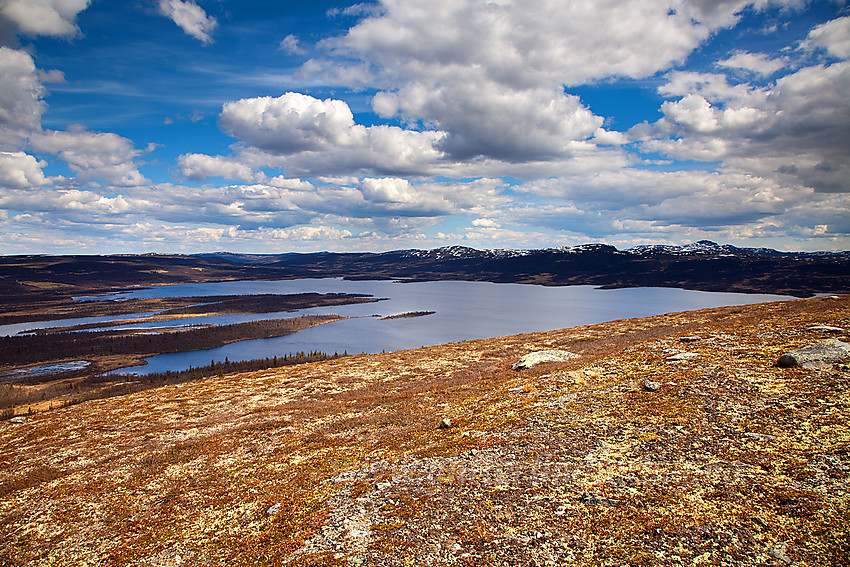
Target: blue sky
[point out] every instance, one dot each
(276, 126)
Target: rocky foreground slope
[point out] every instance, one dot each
(671, 440)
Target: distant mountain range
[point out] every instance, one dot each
(703, 265)
(701, 248)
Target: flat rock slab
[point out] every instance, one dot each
(682, 356)
(826, 329)
(817, 355)
(591, 499)
(541, 356)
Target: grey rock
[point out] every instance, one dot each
(652, 386)
(445, 423)
(778, 552)
(273, 510)
(682, 356)
(825, 329)
(591, 499)
(689, 339)
(18, 419)
(759, 436)
(820, 354)
(541, 356)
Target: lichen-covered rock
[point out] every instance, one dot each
(819, 354)
(541, 356)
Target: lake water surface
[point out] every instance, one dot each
(464, 311)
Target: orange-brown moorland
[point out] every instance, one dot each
(626, 455)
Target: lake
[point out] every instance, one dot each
(463, 311)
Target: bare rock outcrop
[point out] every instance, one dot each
(541, 356)
(816, 355)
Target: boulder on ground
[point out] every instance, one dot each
(816, 355)
(541, 356)
(778, 552)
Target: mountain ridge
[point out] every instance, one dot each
(703, 265)
(457, 251)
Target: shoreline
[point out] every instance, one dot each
(109, 349)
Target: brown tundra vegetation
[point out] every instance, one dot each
(622, 456)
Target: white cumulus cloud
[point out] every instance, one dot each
(312, 233)
(94, 156)
(282, 182)
(198, 167)
(291, 122)
(757, 63)
(21, 104)
(43, 17)
(313, 137)
(485, 223)
(20, 170)
(191, 18)
(386, 190)
(482, 119)
(491, 75)
(834, 36)
(289, 44)
(618, 201)
(796, 131)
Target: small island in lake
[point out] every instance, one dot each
(407, 315)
